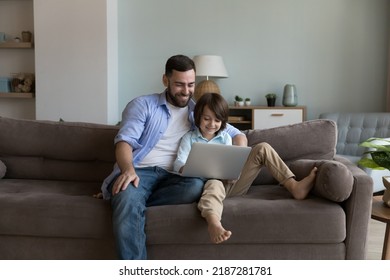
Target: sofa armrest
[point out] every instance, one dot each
(357, 202)
(358, 211)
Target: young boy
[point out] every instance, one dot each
(211, 114)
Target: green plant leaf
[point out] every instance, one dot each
(380, 153)
(381, 158)
(380, 147)
(369, 163)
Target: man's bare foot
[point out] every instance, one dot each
(300, 189)
(217, 232)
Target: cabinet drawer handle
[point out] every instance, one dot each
(277, 115)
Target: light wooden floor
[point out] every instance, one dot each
(376, 233)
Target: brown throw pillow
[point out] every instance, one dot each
(334, 181)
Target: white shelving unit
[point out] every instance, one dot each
(16, 57)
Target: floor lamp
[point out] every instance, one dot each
(208, 66)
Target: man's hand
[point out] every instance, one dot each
(123, 181)
(124, 158)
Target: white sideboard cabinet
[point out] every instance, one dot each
(262, 117)
(273, 117)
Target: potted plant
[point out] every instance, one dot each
(239, 101)
(379, 151)
(271, 99)
(247, 101)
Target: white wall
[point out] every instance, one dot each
(334, 51)
(15, 17)
(76, 50)
(112, 63)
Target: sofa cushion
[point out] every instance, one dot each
(44, 208)
(314, 139)
(276, 217)
(267, 214)
(3, 169)
(334, 181)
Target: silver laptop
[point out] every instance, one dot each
(216, 161)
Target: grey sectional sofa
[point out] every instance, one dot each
(354, 128)
(51, 170)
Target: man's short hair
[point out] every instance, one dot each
(179, 63)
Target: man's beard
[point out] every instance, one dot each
(175, 100)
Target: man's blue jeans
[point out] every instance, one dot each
(156, 187)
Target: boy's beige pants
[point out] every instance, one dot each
(215, 191)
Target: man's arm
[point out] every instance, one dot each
(238, 137)
(240, 140)
(124, 159)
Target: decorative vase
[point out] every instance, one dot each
(290, 98)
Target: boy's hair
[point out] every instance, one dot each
(179, 63)
(216, 103)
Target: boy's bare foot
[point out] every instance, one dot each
(300, 189)
(217, 232)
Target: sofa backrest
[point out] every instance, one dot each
(314, 139)
(85, 152)
(56, 150)
(354, 128)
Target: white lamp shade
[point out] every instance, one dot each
(210, 66)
